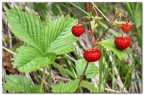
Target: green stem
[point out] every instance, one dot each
(49, 78)
(103, 34)
(83, 74)
(42, 80)
(111, 25)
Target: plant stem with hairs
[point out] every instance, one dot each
(42, 80)
(106, 30)
(82, 76)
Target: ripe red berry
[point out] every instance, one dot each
(126, 27)
(122, 42)
(92, 55)
(77, 30)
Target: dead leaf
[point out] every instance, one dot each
(7, 63)
(89, 7)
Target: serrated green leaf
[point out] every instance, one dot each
(36, 64)
(70, 86)
(89, 86)
(109, 44)
(63, 70)
(55, 9)
(17, 83)
(34, 89)
(26, 27)
(24, 55)
(59, 38)
(30, 59)
(91, 70)
(52, 36)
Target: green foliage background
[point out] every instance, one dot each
(46, 36)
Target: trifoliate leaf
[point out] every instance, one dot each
(70, 86)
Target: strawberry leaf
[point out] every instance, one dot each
(34, 89)
(30, 59)
(59, 38)
(70, 86)
(52, 36)
(89, 86)
(26, 27)
(17, 83)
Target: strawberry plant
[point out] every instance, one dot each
(48, 59)
(44, 40)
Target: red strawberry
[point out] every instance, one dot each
(122, 42)
(77, 30)
(126, 27)
(92, 55)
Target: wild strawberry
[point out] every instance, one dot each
(122, 42)
(92, 55)
(126, 27)
(77, 30)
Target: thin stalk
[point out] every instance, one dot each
(106, 29)
(8, 50)
(103, 34)
(83, 74)
(42, 80)
(100, 12)
(92, 36)
(49, 78)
